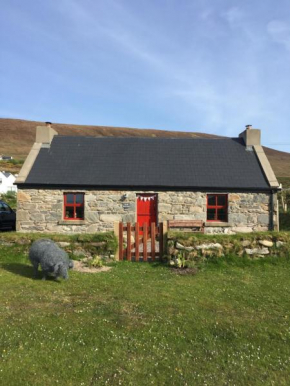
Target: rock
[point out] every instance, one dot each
(209, 246)
(21, 196)
(242, 229)
(234, 197)
(111, 217)
(37, 217)
(183, 248)
(179, 246)
(98, 244)
(162, 207)
(263, 219)
(92, 216)
(279, 244)
(22, 215)
(257, 251)
(246, 243)
(195, 209)
(266, 243)
(63, 244)
(93, 228)
(237, 218)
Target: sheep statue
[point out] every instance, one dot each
(51, 258)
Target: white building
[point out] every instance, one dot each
(6, 182)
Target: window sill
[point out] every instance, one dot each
(217, 224)
(72, 222)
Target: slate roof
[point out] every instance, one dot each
(6, 174)
(196, 163)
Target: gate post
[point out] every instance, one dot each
(117, 234)
(165, 234)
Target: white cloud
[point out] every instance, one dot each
(234, 16)
(279, 31)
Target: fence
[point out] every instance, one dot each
(145, 243)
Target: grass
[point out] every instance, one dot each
(284, 219)
(13, 166)
(142, 324)
(285, 181)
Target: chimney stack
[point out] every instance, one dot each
(44, 134)
(251, 137)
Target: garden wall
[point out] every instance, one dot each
(256, 245)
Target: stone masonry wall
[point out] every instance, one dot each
(42, 210)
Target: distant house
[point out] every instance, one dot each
(5, 157)
(85, 184)
(6, 182)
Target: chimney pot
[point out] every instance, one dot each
(248, 127)
(48, 124)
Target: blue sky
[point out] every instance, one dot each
(203, 65)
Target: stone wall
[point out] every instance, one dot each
(42, 210)
(186, 250)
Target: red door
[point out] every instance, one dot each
(146, 208)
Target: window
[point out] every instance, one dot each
(217, 207)
(74, 206)
(4, 207)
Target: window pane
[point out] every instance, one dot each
(221, 200)
(211, 199)
(70, 198)
(6, 208)
(69, 212)
(80, 212)
(211, 214)
(222, 214)
(79, 198)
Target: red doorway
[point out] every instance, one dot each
(146, 209)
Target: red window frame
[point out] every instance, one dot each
(73, 205)
(216, 207)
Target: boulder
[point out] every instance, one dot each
(210, 246)
(63, 244)
(257, 251)
(266, 243)
(246, 243)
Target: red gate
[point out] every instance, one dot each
(148, 241)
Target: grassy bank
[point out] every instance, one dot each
(142, 324)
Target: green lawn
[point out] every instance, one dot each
(142, 324)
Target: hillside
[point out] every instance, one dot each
(20, 134)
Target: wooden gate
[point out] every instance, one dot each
(147, 243)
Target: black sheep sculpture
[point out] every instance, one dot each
(52, 259)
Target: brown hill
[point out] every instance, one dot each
(17, 137)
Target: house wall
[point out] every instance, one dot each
(42, 210)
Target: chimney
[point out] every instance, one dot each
(44, 134)
(251, 137)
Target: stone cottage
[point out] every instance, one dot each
(84, 184)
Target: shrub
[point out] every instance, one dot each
(95, 262)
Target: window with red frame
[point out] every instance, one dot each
(217, 207)
(73, 206)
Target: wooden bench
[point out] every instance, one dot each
(195, 225)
